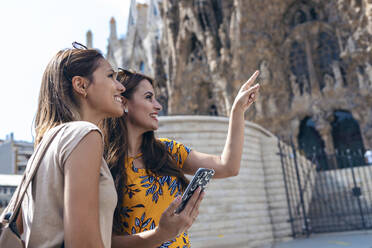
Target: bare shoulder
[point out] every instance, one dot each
(88, 153)
(92, 141)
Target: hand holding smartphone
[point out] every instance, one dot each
(200, 179)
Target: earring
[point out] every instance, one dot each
(85, 95)
(126, 110)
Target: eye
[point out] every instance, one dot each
(149, 97)
(113, 74)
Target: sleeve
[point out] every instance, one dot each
(71, 137)
(179, 151)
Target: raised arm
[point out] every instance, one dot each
(228, 163)
(170, 225)
(81, 211)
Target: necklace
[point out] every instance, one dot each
(132, 159)
(137, 156)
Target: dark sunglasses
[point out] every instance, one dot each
(78, 45)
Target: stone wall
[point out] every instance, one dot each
(249, 210)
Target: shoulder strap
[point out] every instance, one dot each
(16, 201)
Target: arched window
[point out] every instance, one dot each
(311, 143)
(301, 12)
(196, 49)
(299, 66)
(213, 110)
(327, 52)
(298, 18)
(313, 52)
(347, 139)
(313, 14)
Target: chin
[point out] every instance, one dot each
(155, 126)
(118, 113)
(152, 128)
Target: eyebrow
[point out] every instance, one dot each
(148, 92)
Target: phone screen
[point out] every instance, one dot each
(200, 179)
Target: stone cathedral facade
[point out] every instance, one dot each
(315, 59)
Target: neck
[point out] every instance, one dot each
(95, 121)
(89, 115)
(134, 140)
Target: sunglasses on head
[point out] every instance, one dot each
(75, 45)
(78, 45)
(125, 73)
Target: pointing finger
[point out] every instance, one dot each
(251, 80)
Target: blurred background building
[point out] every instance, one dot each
(8, 184)
(14, 155)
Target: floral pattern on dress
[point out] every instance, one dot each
(146, 196)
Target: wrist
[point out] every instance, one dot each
(161, 236)
(237, 110)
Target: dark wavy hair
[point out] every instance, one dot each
(156, 157)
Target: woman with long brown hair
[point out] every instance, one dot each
(149, 172)
(72, 197)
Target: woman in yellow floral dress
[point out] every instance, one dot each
(149, 172)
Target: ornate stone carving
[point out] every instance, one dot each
(236, 37)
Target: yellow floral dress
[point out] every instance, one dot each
(147, 196)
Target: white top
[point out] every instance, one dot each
(44, 201)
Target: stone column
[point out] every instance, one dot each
(325, 130)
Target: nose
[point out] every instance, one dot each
(120, 87)
(158, 105)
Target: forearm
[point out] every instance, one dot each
(147, 239)
(228, 164)
(233, 149)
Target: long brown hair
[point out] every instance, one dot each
(156, 157)
(57, 102)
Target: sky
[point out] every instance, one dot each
(31, 32)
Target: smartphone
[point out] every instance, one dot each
(200, 179)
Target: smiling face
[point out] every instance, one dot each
(104, 92)
(143, 108)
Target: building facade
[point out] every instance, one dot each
(137, 48)
(315, 59)
(14, 155)
(8, 184)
